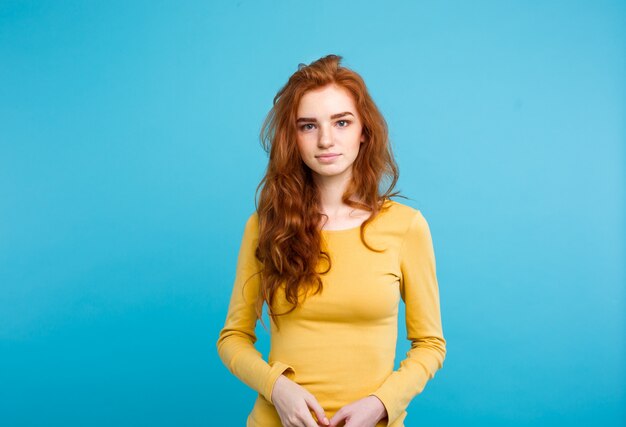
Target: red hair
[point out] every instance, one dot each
(288, 206)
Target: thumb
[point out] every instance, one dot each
(319, 411)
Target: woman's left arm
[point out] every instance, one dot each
(420, 292)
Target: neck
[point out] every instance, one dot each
(331, 192)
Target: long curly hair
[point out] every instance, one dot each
(288, 207)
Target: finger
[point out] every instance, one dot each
(317, 408)
(338, 418)
(308, 420)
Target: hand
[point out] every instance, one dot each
(292, 402)
(364, 412)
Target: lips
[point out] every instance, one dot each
(327, 158)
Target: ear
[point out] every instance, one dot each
(362, 138)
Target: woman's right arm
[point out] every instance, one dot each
(236, 343)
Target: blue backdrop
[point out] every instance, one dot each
(129, 157)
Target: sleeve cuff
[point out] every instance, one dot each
(278, 369)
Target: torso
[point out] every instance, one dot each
(341, 342)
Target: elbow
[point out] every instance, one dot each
(232, 341)
(439, 350)
(433, 345)
(437, 345)
(221, 344)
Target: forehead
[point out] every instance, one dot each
(326, 101)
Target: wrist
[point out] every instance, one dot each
(278, 384)
(382, 411)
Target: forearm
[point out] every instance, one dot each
(245, 362)
(425, 357)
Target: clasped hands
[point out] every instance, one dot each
(294, 405)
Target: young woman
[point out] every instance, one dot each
(331, 255)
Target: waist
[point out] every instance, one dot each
(337, 378)
(264, 414)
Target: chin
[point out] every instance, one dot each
(328, 174)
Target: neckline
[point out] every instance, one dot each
(341, 230)
(351, 229)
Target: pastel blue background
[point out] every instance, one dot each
(129, 157)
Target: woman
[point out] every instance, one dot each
(330, 255)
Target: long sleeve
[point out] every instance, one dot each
(235, 344)
(420, 293)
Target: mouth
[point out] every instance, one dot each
(328, 158)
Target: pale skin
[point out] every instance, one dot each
(329, 138)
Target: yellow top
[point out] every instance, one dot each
(340, 344)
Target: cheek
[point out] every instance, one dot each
(356, 134)
(305, 145)
(300, 145)
(355, 139)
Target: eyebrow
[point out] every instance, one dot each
(334, 116)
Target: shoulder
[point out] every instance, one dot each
(414, 234)
(251, 228)
(397, 222)
(401, 216)
(253, 220)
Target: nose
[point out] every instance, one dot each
(325, 139)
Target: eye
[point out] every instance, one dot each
(343, 123)
(307, 126)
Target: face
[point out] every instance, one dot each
(330, 132)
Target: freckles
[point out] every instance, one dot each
(304, 141)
